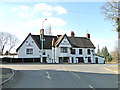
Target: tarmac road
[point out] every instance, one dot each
(63, 76)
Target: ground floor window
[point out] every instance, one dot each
(89, 59)
(80, 60)
(63, 59)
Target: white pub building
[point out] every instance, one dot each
(59, 49)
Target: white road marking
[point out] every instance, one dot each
(74, 74)
(118, 82)
(111, 70)
(48, 75)
(92, 87)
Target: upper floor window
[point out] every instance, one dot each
(88, 51)
(63, 49)
(80, 51)
(29, 51)
(72, 51)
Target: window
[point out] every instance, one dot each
(88, 51)
(80, 51)
(29, 51)
(89, 59)
(73, 51)
(80, 59)
(63, 49)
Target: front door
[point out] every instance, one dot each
(96, 60)
(44, 60)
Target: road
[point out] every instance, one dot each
(63, 76)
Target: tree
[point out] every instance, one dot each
(115, 55)
(7, 41)
(111, 11)
(105, 54)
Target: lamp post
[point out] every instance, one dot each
(42, 41)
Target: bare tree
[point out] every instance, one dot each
(111, 11)
(7, 41)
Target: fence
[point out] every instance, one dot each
(19, 60)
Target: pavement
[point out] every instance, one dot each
(6, 74)
(63, 76)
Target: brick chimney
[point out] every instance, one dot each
(53, 42)
(72, 34)
(88, 35)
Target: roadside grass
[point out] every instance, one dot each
(118, 66)
(111, 62)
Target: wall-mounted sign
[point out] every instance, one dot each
(65, 42)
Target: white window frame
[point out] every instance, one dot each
(29, 51)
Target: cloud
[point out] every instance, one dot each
(53, 21)
(60, 10)
(23, 7)
(58, 31)
(14, 9)
(41, 7)
(45, 13)
(21, 14)
(102, 43)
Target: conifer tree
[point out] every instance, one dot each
(105, 54)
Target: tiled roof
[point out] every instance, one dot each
(81, 42)
(76, 42)
(47, 44)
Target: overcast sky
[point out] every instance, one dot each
(22, 18)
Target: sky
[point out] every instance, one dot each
(22, 18)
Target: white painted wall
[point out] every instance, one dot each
(100, 59)
(36, 50)
(64, 43)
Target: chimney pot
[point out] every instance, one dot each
(88, 35)
(72, 34)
